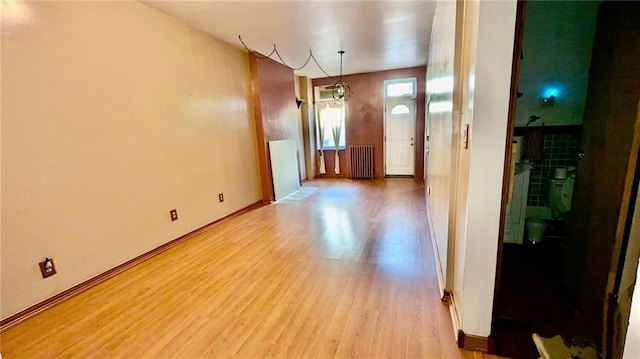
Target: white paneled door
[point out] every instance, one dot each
(400, 123)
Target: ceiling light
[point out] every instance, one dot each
(341, 89)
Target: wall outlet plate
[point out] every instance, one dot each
(220, 197)
(174, 214)
(47, 267)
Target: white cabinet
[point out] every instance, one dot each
(517, 208)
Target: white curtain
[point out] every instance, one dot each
(320, 120)
(337, 128)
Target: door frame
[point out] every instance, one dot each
(623, 261)
(508, 153)
(388, 99)
(393, 101)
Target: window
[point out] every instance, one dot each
(400, 88)
(330, 115)
(400, 110)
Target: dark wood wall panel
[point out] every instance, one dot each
(275, 112)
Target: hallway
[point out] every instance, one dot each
(346, 272)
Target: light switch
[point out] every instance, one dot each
(465, 136)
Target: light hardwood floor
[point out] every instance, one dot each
(345, 272)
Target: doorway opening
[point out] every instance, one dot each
(572, 174)
(399, 126)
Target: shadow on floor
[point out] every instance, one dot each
(532, 298)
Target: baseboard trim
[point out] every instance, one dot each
(447, 297)
(436, 255)
(399, 176)
(474, 342)
(51, 302)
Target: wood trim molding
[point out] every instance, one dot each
(434, 249)
(35, 309)
(265, 174)
(474, 342)
(507, 174)
(447, 296)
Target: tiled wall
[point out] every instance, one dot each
(559, 151)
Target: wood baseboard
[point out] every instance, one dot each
(436, 254)
(448, 300)
(474, 342)
(30, 312)
(447, 296)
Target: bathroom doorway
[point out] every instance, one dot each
(577, 114)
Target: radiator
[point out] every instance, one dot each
(361, 159)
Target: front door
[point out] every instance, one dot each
(605, 174)
(400, 124)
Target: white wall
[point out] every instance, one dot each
(496, 26)
(304, 91)
(483, 56)
(439, 115)
(627, 339)
(466, 47)
(113, 114)
(632, 341)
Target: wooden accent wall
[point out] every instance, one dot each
(605, 178)
(275, 112)
(365, 115)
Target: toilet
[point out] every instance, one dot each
(535, 229)
(561, 192)
(560, 195)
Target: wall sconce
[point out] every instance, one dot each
(548, 101)
(299, 102)
(532, 119)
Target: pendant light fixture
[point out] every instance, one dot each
(341, 90)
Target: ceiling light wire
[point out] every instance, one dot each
(257, 54)
(289, 66)
(320, 67)
(275, 50)
(341, 52)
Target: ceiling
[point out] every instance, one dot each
(375, 35)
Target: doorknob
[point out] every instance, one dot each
(580, 154)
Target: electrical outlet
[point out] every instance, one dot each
(47, 267)
(220, 197)
(174, 214)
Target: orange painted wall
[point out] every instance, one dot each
(365, 116)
